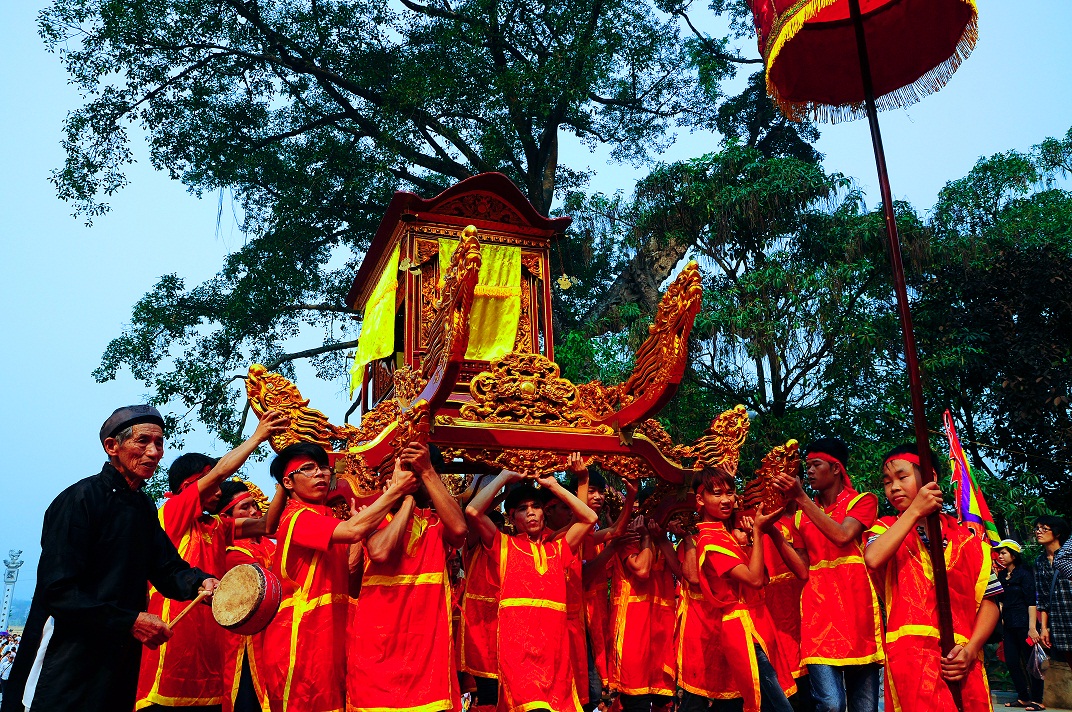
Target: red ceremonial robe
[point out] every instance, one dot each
(701, 667)
(745, 621)
(597, 620)
(913, 653)
(643, 629)
(480, 615)
(575, 625)
(239, 648)
(185, 671)
(782, 595)
(840, 619)
(400, 655)
(304, 645)
(535, 671)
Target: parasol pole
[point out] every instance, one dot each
(915, 384)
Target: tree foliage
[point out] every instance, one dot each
(311, 113)
(996, 314)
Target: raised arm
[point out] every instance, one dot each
(575, 466)
(596, 568)
(846, 532)
(690, 562)
(271, 423)
(639, 562)
(619, 525)
(363, 522)
(754, 575)
(662, 543)
(881, 550)
(385, 544)
(415, 457)
(477, 511)
(792, 557)
(584, 517)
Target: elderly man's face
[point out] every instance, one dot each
(138, 455)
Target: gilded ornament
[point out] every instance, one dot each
(272, 391)
(721, 443)
(782, 460)
(666, 347)
(448, 334)
(523, 388)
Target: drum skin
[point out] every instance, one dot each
(247, 599)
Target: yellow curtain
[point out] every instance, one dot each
(496, 299)
(377, 338)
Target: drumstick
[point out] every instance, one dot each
(202, 595)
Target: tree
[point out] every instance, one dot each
(995, 315)
(312, 114)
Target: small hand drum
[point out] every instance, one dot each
(247, 599)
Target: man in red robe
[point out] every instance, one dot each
(731, 580)
(644, 615)
(841, 628)
(916, 670)
(535, 670)
(243, 655)
(185, 671)
(305, 644)
(401, 655)
(479, 625)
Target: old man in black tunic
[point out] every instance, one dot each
(100, 545)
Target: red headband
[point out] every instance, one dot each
(906, 456)
(239, 499)
(828, 458)
(825, 457)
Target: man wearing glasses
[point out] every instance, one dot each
(305, 644)
(1054, 588)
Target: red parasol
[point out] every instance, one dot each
(842, 59)
(812, 57)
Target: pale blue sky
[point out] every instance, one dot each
(68, 289)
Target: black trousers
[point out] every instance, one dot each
(1018, 659)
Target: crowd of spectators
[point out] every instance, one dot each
(8, 648)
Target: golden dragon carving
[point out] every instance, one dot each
(782, 460)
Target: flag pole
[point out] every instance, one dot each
(915, 384)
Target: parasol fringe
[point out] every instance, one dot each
(784, 34)
(928, 84)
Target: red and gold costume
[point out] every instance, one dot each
(535, 671)
(480, 616)
(575, 626)
(185, 671)
(701, 667)
(400, 655)
(745, 621)
(840, 619)
(249, 648)
(913, 653)
(782, 594)
(304, 645)
(643, 629)
(597, 619)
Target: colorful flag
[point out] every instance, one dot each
(971, 507)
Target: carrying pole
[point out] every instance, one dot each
(915, 384)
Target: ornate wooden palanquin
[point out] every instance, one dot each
(513, 411)
(502, 215)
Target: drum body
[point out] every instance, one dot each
(247, 599)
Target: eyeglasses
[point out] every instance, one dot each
(1042, 528)
(310, 469)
